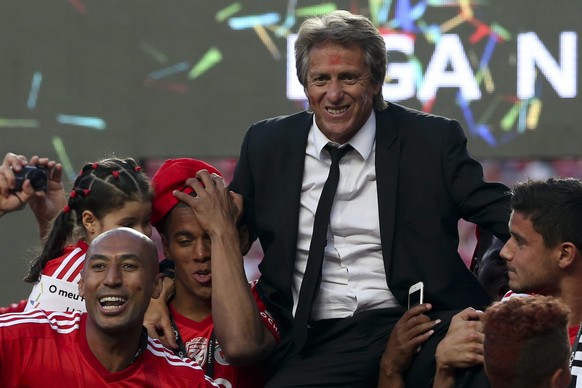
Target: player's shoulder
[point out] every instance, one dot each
(39, 323)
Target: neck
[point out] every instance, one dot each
(192, 307)
(570, 295)
(115, 351)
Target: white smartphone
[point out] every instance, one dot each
(415, 294)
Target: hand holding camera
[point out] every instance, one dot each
(36, 175)
(36, 181)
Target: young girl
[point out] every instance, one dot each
(107, 194)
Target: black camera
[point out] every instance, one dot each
(36, 175)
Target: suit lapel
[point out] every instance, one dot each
(293, 163)
(387, 167)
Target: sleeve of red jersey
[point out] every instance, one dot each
(266, 317)
(14, 307)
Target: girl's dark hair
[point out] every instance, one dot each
(101, 188)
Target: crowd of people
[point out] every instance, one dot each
(353, 201)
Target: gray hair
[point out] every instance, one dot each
(343, 28)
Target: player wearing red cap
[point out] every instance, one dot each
(200, 236)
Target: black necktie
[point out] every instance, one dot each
(312, 275)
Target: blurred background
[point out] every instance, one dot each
(85, 79)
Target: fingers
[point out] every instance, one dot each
(469, 314)
(158, 324)
(11, 163)
(56, 174)
(168, 335)
(415, 325)
(419, 309)
(237, 200)
(151, 328)
(210, 180)
(14, 161)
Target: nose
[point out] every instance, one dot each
(335, 90)
(113, 276)
(201, 251)
(505, 252)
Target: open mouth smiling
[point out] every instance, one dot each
(336, 111)
(112, 303)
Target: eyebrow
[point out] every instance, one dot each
(517, 236)
(126, 256)
(184, 233)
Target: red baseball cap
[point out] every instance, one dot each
(172, 175)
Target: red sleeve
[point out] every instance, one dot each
(267, 318)
(14, 307)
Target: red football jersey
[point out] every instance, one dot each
(50, 349)
(196, 337)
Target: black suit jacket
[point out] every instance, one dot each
(426, 182)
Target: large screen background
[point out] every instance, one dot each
(84, 79)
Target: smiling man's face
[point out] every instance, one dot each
(339, 90)
(119, 279)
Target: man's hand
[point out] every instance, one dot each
(157, 317)
(216, 208)
(409, 333)
(462, 347)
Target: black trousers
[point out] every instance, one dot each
(341, 352)
(346, 352)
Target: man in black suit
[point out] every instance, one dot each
(405, 181)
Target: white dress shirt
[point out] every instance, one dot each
(353, 275)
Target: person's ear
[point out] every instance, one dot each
(567, 254)
(377, 89)
(90, 223)
(157, 289)
(561, 378)
(81, 287)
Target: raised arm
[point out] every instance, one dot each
(238, 325)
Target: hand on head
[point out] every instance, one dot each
(214, 206)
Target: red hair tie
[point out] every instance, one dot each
(115, 174)
(137, 169)
(95, 166)
(86, 192)
(66, 209)
(73, 194)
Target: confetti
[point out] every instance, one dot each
(19, 123)
(63, 157)
(211, 58)
(82, 121)
(165, 72)
(227, 12)
(34, 88)
(244, 22)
